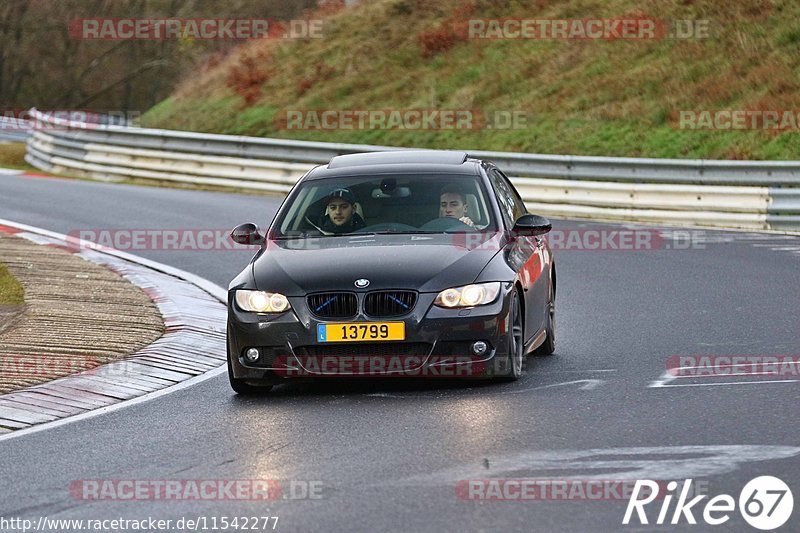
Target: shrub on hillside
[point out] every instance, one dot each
(437, 40)
(249, 73)
(451, 31)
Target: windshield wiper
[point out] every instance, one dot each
(306, 235)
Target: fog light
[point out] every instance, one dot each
(251, 355)
(479, 347)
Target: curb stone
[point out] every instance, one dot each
(193, 343)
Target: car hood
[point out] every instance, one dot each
(427, 263)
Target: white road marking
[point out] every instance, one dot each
(759, 382)
(668, 377)
(777, 248)
(538, 373)
(658, 462)
(665, 378)
(589, 384)
(729, 375)
(735, 365)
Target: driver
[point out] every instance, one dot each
(340, 213)
(453, 204)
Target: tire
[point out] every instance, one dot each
(241, 387)
(548, 347)
(516, 335)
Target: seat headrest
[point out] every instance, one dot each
(473, 211)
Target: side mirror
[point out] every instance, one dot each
(532, 225)
(247, 234)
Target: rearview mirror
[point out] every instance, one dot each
(247, 234)
(532, 225)
(395, 192)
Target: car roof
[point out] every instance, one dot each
(436, 157)
(399, 161)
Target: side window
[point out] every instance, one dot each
(510, 203)
(519, 205)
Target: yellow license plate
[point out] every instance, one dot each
(361, 331)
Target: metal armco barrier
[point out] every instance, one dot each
(13, 130)
(734, 194)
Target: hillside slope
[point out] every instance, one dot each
(594, 96)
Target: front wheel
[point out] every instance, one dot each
(516, 350)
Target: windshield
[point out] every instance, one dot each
(386, 204)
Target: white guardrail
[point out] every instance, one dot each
(734, 194)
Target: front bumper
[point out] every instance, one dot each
(437, 343)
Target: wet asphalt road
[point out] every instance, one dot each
(390, 455)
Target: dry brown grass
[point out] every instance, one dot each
(11, 292)
(12, 155)
(589, 96)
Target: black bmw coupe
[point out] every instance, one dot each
(403, 263)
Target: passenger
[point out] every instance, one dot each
(453, 204)
(340, 213)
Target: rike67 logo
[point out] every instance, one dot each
(765, 503)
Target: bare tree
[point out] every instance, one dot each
(43, 64)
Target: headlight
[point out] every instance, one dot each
(468, 295)
(262, 302)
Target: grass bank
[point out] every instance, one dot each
(613, 97)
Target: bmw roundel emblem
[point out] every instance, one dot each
(361, 283)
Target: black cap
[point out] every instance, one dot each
(344, 194)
